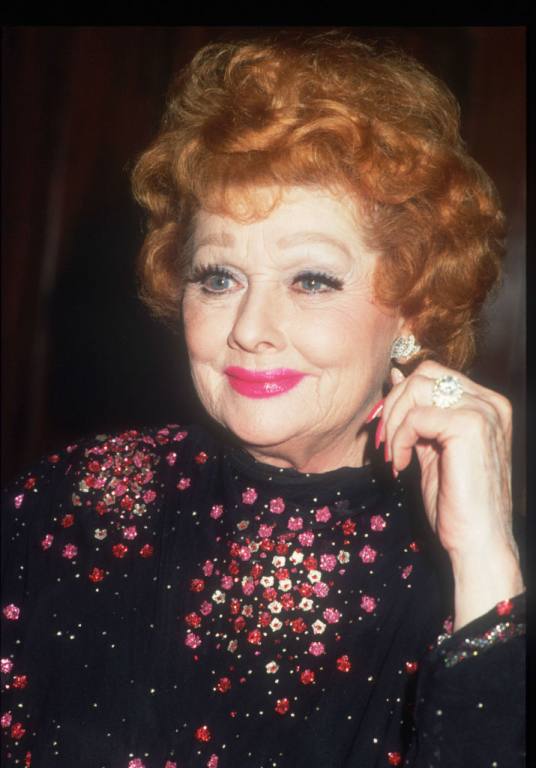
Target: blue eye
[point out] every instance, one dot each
(317, 282)
(213, 279)
(217, 283)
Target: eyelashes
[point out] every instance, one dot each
(317, 280)
(215, 279)
(211, 279)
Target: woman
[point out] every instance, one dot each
(276, 592)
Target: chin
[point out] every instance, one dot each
(263, 433)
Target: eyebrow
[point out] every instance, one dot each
(225, 240)
(299, 238)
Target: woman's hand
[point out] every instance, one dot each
(465, 456)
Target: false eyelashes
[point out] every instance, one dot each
(317, 281)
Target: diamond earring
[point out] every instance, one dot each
(404, 347)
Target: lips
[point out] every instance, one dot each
(268, 383)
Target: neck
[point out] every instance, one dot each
(314, 458)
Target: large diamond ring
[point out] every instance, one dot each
(447, 391)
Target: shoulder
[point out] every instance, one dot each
(103, 457)
(106, 481)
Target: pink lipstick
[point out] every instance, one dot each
(262, 383)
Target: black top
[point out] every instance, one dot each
(171, 602)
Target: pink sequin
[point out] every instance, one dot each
(265, 531)
(180, 436)
(170, 764)
(18, 500)
(249, 496)
(213, 761)
(320, 589)
(171, 458)
(121, 489)
(192, 640)
(216, 511)
(367, 554)
(248, 588)
(70, 551)
(306, 538)
(205, 608)
(277, 506)
(328, 562)
(244, 553)
(295, 523)
(130, 533)
(6, 665)
(406, 572)
(377, 523)
(208, 568)
(322, 515)
(136, 763)
(317, 649)
(368, 603)
(149, 496)
(226, 582)
(46, 542)
(332, 615)
(5, 720)
(184, 483)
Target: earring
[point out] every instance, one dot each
(404, 347)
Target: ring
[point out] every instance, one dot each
(447, 391)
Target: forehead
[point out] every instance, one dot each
(300, 211)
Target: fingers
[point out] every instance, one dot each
(472, 423)
(490, 411)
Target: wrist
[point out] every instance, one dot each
(480, 582)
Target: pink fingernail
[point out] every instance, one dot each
(378, 437)
(376, 410)
(395, 472)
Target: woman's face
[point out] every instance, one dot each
(287, 346)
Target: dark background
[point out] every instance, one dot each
(80, 354)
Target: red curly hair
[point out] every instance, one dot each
(327, 110)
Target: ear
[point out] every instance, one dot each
(403, 327)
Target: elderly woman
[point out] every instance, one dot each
(277, 592)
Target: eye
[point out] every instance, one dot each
(316, 282)
(213, 279)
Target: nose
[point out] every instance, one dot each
(258, 322)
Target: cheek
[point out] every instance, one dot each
(203, 331)
(346, 337)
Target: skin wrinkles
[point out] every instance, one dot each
(339, 338)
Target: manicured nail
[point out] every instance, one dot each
(395, 472)
(396, 376)
(376, 410)
(378, 437)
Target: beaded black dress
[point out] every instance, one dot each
(169, 602)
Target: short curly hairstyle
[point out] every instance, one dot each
(326, 110)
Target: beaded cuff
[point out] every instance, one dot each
(484, 632)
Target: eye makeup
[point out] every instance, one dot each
(212, 278)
